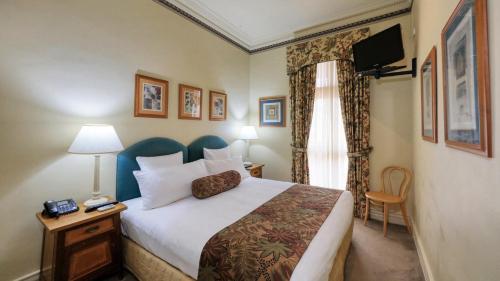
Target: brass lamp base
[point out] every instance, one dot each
(95, 201)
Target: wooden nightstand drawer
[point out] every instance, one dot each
(82, 246)
(87, 231)
(256, 173)
(255, 170)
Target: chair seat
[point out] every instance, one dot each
(383, 197)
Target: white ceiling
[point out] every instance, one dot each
(255, 23)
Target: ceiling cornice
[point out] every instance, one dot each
(199, 22)
(333, 30)
(227, 38)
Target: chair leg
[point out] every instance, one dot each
(367, 210)
(405, 216)
(386, 218)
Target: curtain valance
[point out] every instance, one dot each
(327, 48)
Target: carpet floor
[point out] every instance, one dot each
(375, 257)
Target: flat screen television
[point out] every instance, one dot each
(381, 49)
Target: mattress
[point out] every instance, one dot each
(178, 232)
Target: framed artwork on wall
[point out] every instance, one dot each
(190, 102)
(466, 79)
(218, 106)
(151, 97)
(428, 97)
(272, 111)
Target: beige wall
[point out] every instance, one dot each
(66, 63)
(268, 78)
(456, 215)
(390, 112)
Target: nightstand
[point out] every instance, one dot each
(255, 170)
(82, 246)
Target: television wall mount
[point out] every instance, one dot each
(388, 71)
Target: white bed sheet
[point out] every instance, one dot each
(178, 232)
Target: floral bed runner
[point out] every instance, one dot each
(268, 243)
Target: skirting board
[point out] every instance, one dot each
(33, 276)
(422, 257)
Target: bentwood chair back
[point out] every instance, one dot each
(395, 183)
(390, 177)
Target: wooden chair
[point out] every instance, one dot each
(386, 196)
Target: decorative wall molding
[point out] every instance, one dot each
(197, 21)
(221, 35)
(333, 30)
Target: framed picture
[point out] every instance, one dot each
(218, 106)
(151, 97)
(466, 79)
(272, 111)
(190, 102)
(428, 96)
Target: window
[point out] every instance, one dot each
(327, 147)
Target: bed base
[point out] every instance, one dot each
(147, 267)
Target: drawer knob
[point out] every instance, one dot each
(92, 229)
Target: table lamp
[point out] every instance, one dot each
(96, 140)
(248, 133)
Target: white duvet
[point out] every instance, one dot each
(178, 232)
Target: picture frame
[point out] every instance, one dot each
(151, 97)
(272, 111)
(217, 106)
(428, 97)
(466, 79)
(190, 102)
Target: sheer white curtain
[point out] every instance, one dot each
(327, 148)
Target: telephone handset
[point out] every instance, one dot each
(59, 208)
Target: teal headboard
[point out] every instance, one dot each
(195, 149)
(126, 184)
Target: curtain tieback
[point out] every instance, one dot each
(361, 153)
(298, 149)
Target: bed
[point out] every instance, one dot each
(165, 243)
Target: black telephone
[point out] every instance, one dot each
(59, 208)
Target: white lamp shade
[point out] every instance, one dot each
(96, 139)
(248, 133)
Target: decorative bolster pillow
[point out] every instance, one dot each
(212, 185)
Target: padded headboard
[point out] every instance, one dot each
(195, 149)
(126, 184)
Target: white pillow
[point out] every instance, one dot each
(219, 166)
(159, 162)
(164, 186)
(217, 154)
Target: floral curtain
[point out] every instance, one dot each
(302, 89)
(355, 103)
(327, 48)
(354, 93)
